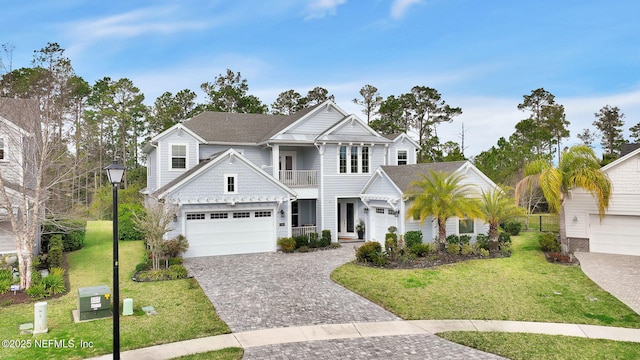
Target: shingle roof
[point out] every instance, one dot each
(404, 175)
(392, 136)
(240, 128)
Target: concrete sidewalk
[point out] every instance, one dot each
(296, 334)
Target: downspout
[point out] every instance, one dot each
(321, 187)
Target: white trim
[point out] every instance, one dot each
(322, 107)
(177, 127)
(226, 183)
(186, 157)
(397, 158)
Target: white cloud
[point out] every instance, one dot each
(320, 8)
(399, 8)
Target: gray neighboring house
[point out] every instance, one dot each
(17, 117)
(238, 182)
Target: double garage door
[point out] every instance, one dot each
(230, 232)
(615, 234)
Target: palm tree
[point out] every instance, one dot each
(442, 196)
(497, 207)
(578, 168)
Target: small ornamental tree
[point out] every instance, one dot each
(154, 225)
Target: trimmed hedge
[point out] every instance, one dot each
(127, 229)
(412, 238)
(72, 231)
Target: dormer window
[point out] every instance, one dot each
(402, 157)
(178, 157)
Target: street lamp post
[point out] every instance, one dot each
(115, 172)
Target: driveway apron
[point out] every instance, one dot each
(269, 290)
(617, 274)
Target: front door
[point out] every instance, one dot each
(346, 219)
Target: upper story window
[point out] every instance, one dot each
(402, 157)
(353, 159)
(178, 157)
(3, 149)
(230, 183)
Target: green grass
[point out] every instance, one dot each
(224, 354)
(524, 287)
(542, 347)
(550, 222)
(184, 311)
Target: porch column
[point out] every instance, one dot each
(275, 161)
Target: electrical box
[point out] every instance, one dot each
(94, 302)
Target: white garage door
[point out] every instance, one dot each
(382, 218)
(616, 234)
(230, 232)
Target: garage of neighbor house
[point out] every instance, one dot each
(615, 234)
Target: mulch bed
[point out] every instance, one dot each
(430, 261)
(21, 297)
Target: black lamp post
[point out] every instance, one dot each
(115, 172)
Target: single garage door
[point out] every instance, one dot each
(615, 234)
(382, 218)
(230, 232)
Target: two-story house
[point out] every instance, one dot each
(17, 118)
(238, 182)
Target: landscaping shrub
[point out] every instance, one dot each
(287, 244)
(176, 261)
(37, 291)
(412, 238)
(392, 229)
(466, 249)
(313, 241)
(303, 249)
(175, 247)
(453, 239)
(367, 251)
(53, 284)
(391, 241)
(483, 252)
(72, 231)
(177, 272)
(420, 250)
(54, 257)
(482, 241)
(127, 229)
(379, 258)
(6, 279)
(549, 242)
(143, 266)
(513, 228)
(504, 238)
(453, 249)
(334, 245)
(464, 239)
(301, 240)
(505, 249)
(433, 247)
(325, 240)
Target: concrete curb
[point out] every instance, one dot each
(294, 334)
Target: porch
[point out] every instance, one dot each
(303, 217)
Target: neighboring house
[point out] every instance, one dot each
(619, 231)
(238, 182)
(16, 115)
(386, 196)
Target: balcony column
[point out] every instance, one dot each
(275, 161)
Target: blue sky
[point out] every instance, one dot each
(482, 56)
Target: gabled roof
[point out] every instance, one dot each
(397, 137)
(211, 161)
(620, 160)
(369, 135)
(403, 175)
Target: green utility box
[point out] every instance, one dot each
(94, 302)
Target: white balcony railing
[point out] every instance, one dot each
(303, 230)
(299, 178)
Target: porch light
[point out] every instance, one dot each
(281, 213)
(366, 210)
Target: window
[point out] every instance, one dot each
(294, 214)
(343, 159)
(391, 212)
(240, 215)
(230, 183)
(379, 211)
(402, 157)
(365, 159)
(2, 150)
(465, 226)
(195, 216)
(220, 215)
(354, 159)
(178, 157)
(262, 214)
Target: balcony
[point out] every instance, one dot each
(299, 178)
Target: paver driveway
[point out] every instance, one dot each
(617, 274)
(267, 290)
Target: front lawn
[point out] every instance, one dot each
(183, 310)
(523, 287)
